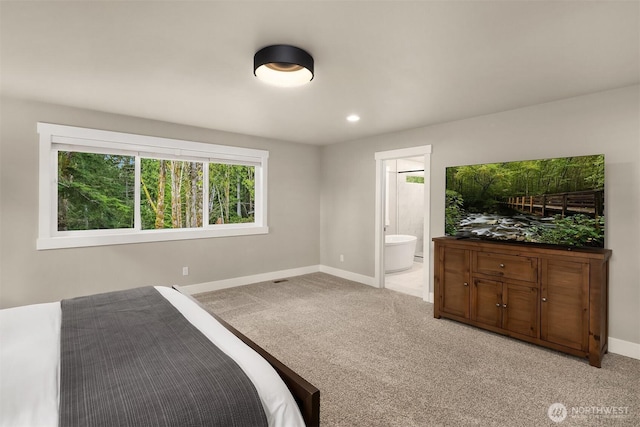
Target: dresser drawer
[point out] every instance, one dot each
(507, 266)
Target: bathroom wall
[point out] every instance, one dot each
(405, 200)
(391, 207)
(410, 201)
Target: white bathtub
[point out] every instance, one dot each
(399, 250)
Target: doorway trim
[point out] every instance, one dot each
(381, 178)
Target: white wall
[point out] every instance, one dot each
(606, 122)
(30, 276)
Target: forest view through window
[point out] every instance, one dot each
(97, 191)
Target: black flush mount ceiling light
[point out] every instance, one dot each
(283, 65)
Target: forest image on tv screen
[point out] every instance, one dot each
(556, 201)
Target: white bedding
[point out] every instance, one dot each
(30, 356)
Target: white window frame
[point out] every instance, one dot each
(54, 138)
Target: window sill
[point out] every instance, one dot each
(131, 237)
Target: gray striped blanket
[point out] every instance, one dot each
(130, 358)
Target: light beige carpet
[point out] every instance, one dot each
(379, 358)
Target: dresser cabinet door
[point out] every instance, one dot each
(486, 302)
(520, 309)
(565, 303)
(454, 286)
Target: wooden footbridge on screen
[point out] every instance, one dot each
(585, 202)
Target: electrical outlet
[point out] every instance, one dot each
(185, 271)
(341, 258)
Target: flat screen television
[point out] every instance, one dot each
(557, 201)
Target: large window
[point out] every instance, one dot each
(101, 188)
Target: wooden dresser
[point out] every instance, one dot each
(553, 297)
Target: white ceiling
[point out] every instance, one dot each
(399, 64)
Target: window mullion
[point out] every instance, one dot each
(53, 219)
(137, 222)
(205, 194)
(260, 195)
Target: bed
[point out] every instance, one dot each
(145, 356)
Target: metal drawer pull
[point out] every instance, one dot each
(544, 300)
(498, 304)
(504, 305)
(501, 265)
(466, 284)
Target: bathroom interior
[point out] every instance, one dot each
(404, 225)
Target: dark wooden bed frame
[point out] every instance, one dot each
(305, 394)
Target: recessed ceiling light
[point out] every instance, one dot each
(353, 118)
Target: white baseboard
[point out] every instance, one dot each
(430, 297)
(624, 348)
(217, 285)
(348, 275)
(247, 280)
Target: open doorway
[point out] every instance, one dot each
(404, 225)
(402, 221)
